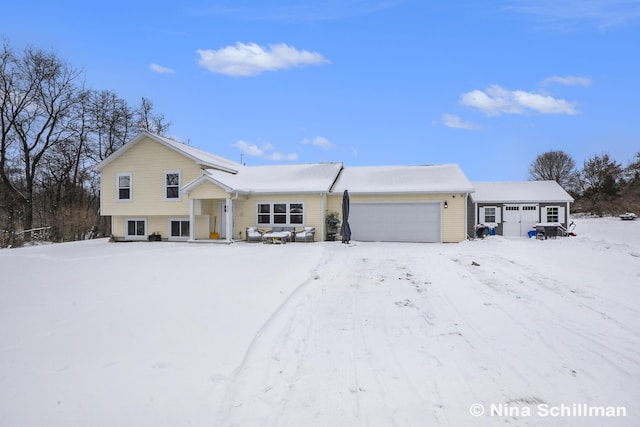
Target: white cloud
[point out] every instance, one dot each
(160, 69)
(568, 81)
(496, 100)
(570, 14)
(251, 59)
(276, 156)
(319, 141)
(264, 151)
(453, 121)
(248, 148)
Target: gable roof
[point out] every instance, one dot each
(200, 157)
(303, 178)
(403, 179)
(519, 192)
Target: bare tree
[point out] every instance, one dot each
(149, 121)
(601, 176)
(38, 97)
(554, 166)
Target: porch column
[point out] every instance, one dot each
(228, 208)
(323, 216)
(192, 219)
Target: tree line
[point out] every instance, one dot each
(53, 132)
(602, 186)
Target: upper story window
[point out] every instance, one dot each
(280, 213)
(124, 186)
(172, 185)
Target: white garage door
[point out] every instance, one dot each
(395, 222)
(518, 220)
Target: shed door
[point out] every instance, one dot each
(396, 222)
(519, 219)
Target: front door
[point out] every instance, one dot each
(221, 220)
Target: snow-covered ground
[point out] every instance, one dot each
(323, 334)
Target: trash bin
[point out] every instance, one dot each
(532, 233)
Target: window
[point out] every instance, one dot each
(179, 228)
(552, 214)
(172, 185)
(136, 228)
(124, 186)
(490, 214)
(280, 213)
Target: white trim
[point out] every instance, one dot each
(128, 236)
(288, 214)
(127, 174)
(164, 178)
(192, 219)
(177, 238)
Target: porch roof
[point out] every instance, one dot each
(303, 178)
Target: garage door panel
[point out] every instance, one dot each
(395, 222)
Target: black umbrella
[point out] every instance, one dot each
(345, 230)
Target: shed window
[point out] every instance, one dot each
(490, 214)
(552, 214)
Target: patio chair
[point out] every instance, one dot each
(253, 234)
(306, 235)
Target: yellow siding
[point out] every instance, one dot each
(147, 161)
(160, 225)
(453, 218)
(208, 190)
(246, 210)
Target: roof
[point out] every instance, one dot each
(200, 157)
(303, 178)
(403, 179)
(519, 192)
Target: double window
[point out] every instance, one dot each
(124, 186)
(136, 228)
(280, 213)
(179, 228)
(553, 214)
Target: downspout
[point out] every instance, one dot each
(466, 216)
(192, 219)
(323, 215)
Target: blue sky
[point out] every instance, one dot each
(488, 85)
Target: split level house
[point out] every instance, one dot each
(155, 185)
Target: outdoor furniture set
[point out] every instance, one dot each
(280, 235)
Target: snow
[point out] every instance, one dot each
(300, 178)
(165, 334)
(403, 179)
(519, 192)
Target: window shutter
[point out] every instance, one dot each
(481, 218)
(561, 214)
(543, 214)
(498, 214)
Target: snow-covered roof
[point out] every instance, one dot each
(302, 178)
(519, 192)
(403, 179)
(200, 157)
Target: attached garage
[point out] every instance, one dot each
(396, 221)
